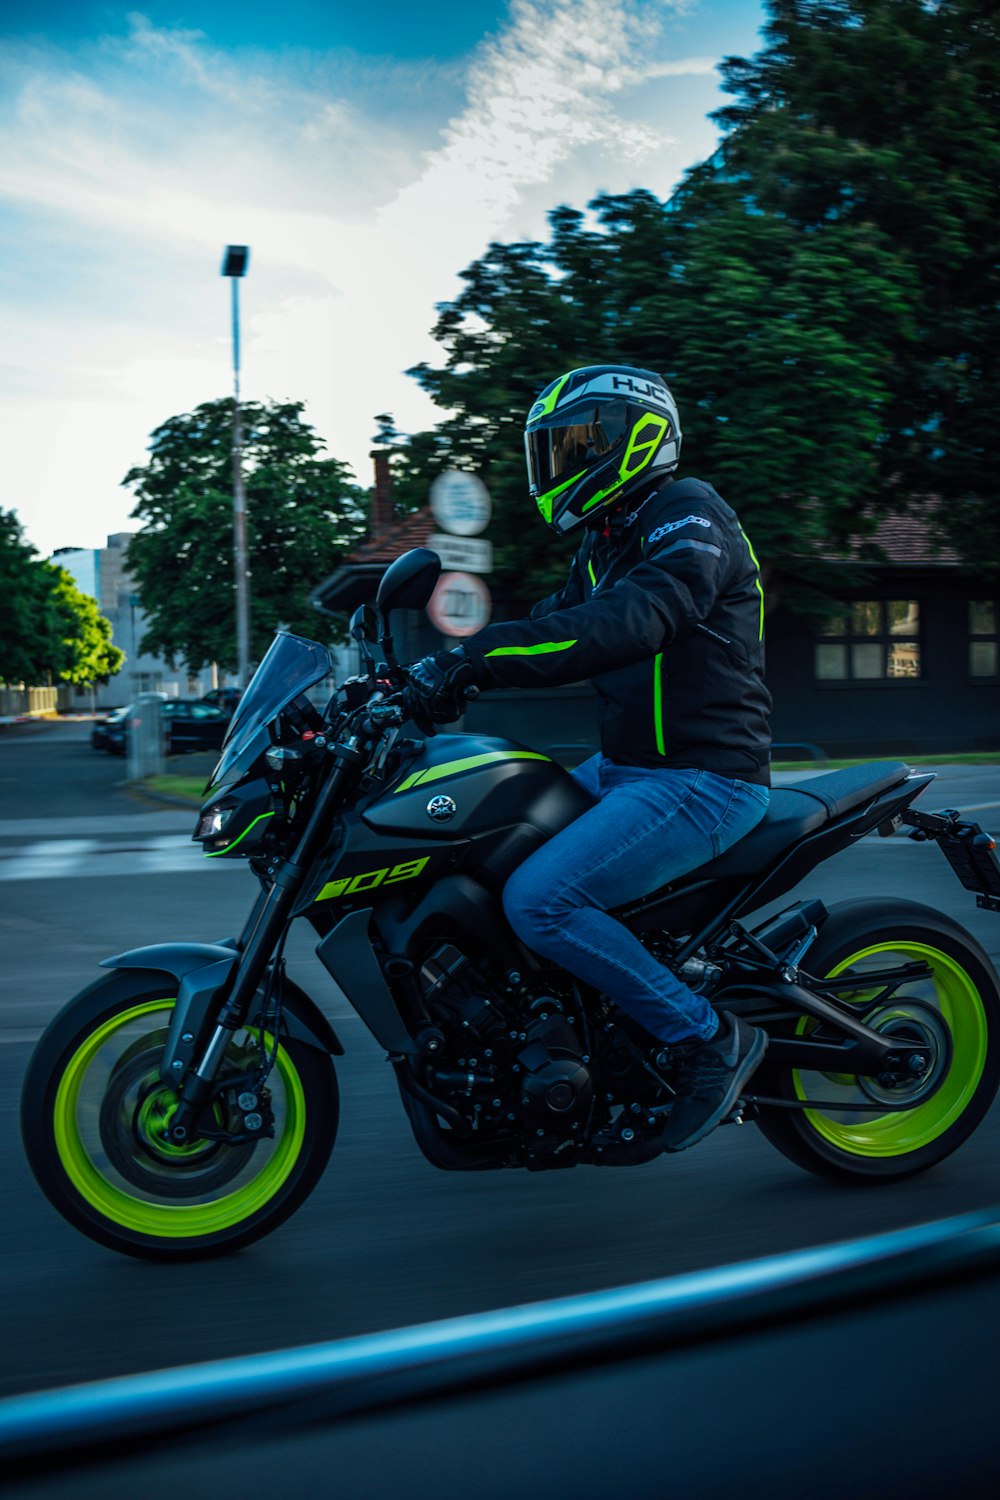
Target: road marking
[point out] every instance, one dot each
(83, 859)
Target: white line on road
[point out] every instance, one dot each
(75, 859)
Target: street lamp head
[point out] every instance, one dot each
(235, 262)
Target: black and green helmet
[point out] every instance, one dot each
(593, 435)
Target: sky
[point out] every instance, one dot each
(366, 153)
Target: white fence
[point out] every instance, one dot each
(15, 702)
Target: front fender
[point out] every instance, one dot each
(201, 971)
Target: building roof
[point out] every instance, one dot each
(410, 530)
(910, 539)
(356, 580)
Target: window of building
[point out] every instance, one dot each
(984, 638)
(875, 640)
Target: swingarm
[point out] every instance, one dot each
(857, 1048)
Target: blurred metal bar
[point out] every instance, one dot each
(376, 1371)
(235, 266)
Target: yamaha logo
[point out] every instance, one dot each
(441, 809)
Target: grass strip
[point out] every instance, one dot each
(186, 788)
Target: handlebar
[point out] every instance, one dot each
(388, 710)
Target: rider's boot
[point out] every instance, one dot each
(710, 1078)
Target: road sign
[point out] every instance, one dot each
(460, 604)
(461, 503)
(465, 554)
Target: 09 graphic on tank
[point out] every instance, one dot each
(369, 879)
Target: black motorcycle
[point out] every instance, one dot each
(186, 1102)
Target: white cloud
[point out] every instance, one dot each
(138, 162)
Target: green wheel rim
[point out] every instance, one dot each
(169, 1220)
(958, 1002)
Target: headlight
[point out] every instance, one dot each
(213, 821)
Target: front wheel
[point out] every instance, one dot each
(94, 1115)
(951, 1006)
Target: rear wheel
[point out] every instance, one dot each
(94, 1116)
(951, 1008)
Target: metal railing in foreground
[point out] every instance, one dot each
(390, 1370)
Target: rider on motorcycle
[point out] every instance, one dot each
(663, 608)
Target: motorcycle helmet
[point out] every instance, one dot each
(593, 435)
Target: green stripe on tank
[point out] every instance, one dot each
(658, 706)
(542, 649)
(593, 575)
(452, 767)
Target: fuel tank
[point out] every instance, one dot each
(463, 785)
(465, 802)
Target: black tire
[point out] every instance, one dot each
(957, 1010)
(92, 1112)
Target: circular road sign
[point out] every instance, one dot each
(460, 604)
(461, 503)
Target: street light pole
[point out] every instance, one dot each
(234, 266)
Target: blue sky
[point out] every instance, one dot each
(366, 153)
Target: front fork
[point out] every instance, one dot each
(257, 942)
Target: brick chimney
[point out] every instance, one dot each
(383, 515)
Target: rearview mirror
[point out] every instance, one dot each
(365, 625)
(409, 582)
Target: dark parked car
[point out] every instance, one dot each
(100, 733)
(226, 698)
(188, 724)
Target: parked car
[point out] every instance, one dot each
(188, 724)
(226, 698)
(100, 731)
(194, 724)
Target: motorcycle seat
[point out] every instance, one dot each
(801, 808)
(794, 811)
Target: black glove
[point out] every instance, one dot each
(434, 693)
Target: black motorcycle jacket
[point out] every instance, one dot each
(664, 612)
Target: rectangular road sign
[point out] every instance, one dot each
(462, 554)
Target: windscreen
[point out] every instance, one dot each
(291, 665)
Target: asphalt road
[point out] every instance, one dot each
(87, 869)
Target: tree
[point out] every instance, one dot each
(880, 118)
(48, 628)
(303, 512)
(23, 623)
(821, 296)
(81, 636)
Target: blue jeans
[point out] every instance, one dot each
(648, 827)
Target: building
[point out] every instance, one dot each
(102, 573)
(910, 667)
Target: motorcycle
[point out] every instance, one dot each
(186, 1103)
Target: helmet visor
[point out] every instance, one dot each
(558, 453)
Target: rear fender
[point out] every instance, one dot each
(201, 972)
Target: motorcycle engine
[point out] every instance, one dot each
(556, 1087)
(504, 1058)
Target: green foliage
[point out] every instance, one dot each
(80, 633)
(879, 119)
(303, 511)
(23, 635)
(821, 297)
(48, 628)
